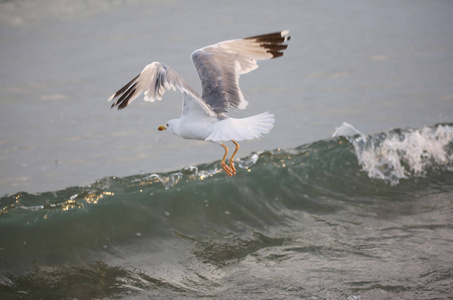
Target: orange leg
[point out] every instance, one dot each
(232, 157)
(225, 167)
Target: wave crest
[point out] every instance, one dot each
(402, 153)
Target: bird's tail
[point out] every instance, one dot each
(242, 129)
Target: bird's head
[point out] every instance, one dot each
(171, 125)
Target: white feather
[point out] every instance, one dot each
(242, 129)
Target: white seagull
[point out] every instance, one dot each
(204, 117)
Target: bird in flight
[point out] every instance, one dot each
(205, 117)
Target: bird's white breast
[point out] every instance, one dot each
(197, 128)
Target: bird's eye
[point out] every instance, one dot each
(167, 125)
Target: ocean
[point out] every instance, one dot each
(350, 217)
(348, 197)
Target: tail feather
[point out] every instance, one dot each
(242, 129)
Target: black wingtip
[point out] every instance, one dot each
(273, 42)
(125, 94)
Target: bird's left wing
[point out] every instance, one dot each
(153, 81)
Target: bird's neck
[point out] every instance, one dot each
(175, 127)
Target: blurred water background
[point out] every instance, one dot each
(374, 64)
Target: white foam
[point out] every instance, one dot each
(167, 181)
(401, 154)
(345, 129)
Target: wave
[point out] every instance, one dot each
(401, 153)
(227, 218)
(348, 157)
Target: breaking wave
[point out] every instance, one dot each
(112, 236)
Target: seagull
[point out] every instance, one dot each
(205, 117)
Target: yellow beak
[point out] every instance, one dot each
(161, 127)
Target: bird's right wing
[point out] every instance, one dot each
(220, 65)
(153, 81)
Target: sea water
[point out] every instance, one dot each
(342, 218)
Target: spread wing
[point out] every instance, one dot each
(153, 81)
(220, 65)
